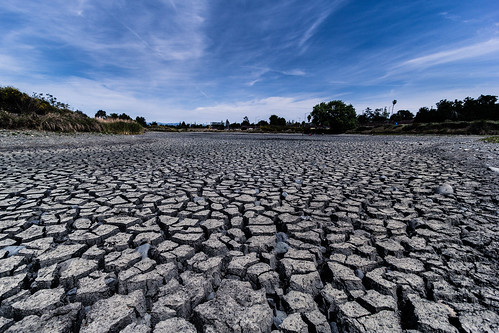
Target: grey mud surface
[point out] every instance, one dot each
(248, 233)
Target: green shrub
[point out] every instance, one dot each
(491, 139)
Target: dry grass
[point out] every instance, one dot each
(118, 126)
(113, 120)
(57, 122)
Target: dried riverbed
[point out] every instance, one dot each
(211, 232)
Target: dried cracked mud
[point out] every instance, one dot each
(248, 233)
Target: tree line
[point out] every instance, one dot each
(338, 117)
(335, 116)
(484, 107)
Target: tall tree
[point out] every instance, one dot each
(245, 122)
(336, 115)
(393, 105)
(277, 121)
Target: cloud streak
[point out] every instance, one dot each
(457, 54)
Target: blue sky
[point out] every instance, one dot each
(201, 61)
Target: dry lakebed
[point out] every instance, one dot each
(226, 232)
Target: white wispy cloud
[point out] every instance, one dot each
(80, 7)
(294, 72)
(322, 16)
(10, 64)
(461, 53)
(310, 31)
(252, 83)
(131, 37)
(449, 16)
(257, 74)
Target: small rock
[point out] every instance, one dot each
(279, 317)
(281, 248)
(444, 189)
(144, 250)
(13, 249)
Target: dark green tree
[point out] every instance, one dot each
(101, 114)
(277, 121)
(365, 117)
(425, 115)
(402, 115)
(124, 116)
(336, 115)
(445, 111)
(141, 121)
(377, 116)
(113, 116)
(245, 122)
(489, 109)
(484, 107)
(380, 115)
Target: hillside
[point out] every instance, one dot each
(20, 111)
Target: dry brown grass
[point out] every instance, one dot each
(57, 122)
(119, 126)
(114, 120)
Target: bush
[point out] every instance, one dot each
(491, 139)
(121, 127)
